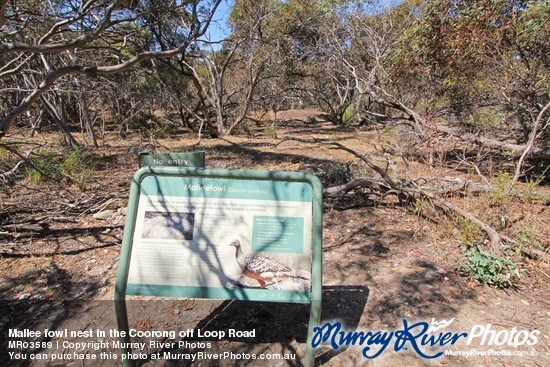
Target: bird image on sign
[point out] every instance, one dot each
(265, 269)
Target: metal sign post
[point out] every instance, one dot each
(188, 217)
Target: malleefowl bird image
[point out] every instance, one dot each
(262, 268)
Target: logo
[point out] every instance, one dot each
(512, 337)
(421, 338)
(439, 325)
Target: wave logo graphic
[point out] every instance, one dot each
(436, 325)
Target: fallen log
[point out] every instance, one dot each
(411, 190)
(536, 152)
(377, 186)
(417, 193)
(493, 235)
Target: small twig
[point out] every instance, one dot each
(529, 252)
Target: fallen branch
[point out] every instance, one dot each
(408, 189)
(373, 185)
(23, 159)
(535, 152)
(494, 236)
(382, 172)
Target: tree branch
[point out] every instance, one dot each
(408, 189)
(542, 153)
(196, 30)
(54, 48)
(530, 143)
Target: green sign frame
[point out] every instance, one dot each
(151, 185)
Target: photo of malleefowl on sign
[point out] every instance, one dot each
(269, 272)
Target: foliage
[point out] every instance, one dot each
(349, 116)
(488, 268)
(124, 47)
(467, 232)
(529, 193)
(486, 119)
(479, 53)
(44, 167)
(335, 173)
(270, 129)
(500, 194)
(529, 235)
(76, 168)
(161, 131)
(483, 62)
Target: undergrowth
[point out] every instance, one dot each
(488, 268)
(76, 168)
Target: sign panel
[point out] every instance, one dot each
(194, 159)
(225, 238)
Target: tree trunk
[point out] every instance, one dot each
(84, 112)
(59, 118)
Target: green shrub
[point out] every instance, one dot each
(500, 195)
(484, 120)
(335, 173)
(488, 268)
(44, 167)
(349, 116)
(78, 168)
(139, 121)
(159, 131)
(530, 194)
(270, 129)
(467, 231)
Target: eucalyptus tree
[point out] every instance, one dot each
(480, 55)
(278, 40)
(327, 53)
(227, 78)
(357, 38)
(46, 45)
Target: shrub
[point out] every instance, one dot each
(44, 167)
(500, 196)
(335, 173)
(488, 268)
(349, 116)
(76, 168)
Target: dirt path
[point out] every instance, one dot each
(383, 267)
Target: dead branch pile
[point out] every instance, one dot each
(409, 191)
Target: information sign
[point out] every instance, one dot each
(185, 225)
(221, 234)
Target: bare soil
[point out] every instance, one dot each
(382, 264)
